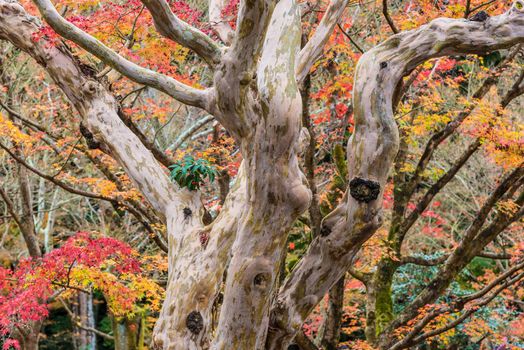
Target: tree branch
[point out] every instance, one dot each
(313, 49)
(346, 34)
(10, 207)
(170, 86)
(160, 156)
(184, 135)
(52, 179)
(79, 324)
(24, 120)
(169, 25)
(436, 187)
(219, 24)
(418, 260)
(385, 12)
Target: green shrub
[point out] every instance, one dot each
(191, 173)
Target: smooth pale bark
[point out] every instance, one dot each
(276, 188)
(220, 24)
(196, 276)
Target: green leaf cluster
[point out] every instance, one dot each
(191, 173)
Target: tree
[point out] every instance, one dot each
(227, 271)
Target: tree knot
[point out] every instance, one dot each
(364, 190)
(187, 213)
(325, 230)
(194, 322)
(480, 16)
(261, 281)
(91, 87)
(89, 137)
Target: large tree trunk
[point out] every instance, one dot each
(276, 188)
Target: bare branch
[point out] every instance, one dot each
(184, 135)
(516, 90)
(20, 117)
(313, 49)
(160, 156)
(385, 12)
(10, 206)
(346, 34)
(169, 25)
(52, 179)
(487, 3)
(418, 260)
(436, 187)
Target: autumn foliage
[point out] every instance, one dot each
(85, 262)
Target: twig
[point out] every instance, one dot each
(388, 18)
(350, 38)
(79, 324)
